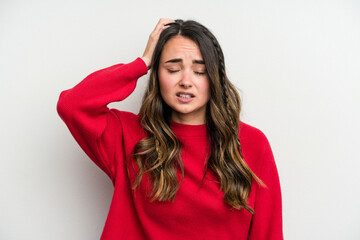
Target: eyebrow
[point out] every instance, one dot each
(176, 60)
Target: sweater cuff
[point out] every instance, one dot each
(141, 65)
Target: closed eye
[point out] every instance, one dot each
(172, 71)
(200, 73)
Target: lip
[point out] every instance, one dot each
(185, 100)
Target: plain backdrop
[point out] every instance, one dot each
(296, 65)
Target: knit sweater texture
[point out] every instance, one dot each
(108, 137)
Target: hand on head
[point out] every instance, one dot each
(153, 39)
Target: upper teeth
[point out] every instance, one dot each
(185, 95)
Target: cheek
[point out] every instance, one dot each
(206, 89)
(164, 84)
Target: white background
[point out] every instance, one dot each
(296, 64)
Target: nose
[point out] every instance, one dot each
(186, 80)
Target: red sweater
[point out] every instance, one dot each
(108, 137)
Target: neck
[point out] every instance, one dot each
(188, 119)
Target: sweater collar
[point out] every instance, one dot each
(180, 129)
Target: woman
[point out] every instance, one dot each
(185, 167)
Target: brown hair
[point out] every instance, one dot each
(159, 154)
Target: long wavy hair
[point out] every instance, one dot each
(159, 154)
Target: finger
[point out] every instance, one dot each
(162, 24)
(166, 20)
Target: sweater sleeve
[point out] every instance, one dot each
(84, 110)
(267, 219)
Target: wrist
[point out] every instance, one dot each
(146, 61)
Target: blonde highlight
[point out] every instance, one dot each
(158, 155)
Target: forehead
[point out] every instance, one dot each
(181, 47)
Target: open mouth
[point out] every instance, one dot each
(185, 95)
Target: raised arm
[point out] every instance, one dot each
(84, 107)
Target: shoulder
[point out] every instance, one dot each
(254, 143)
(127, 119)
(252, 134)
(126, 116)
(130, 122)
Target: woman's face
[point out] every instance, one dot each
(183, 79)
